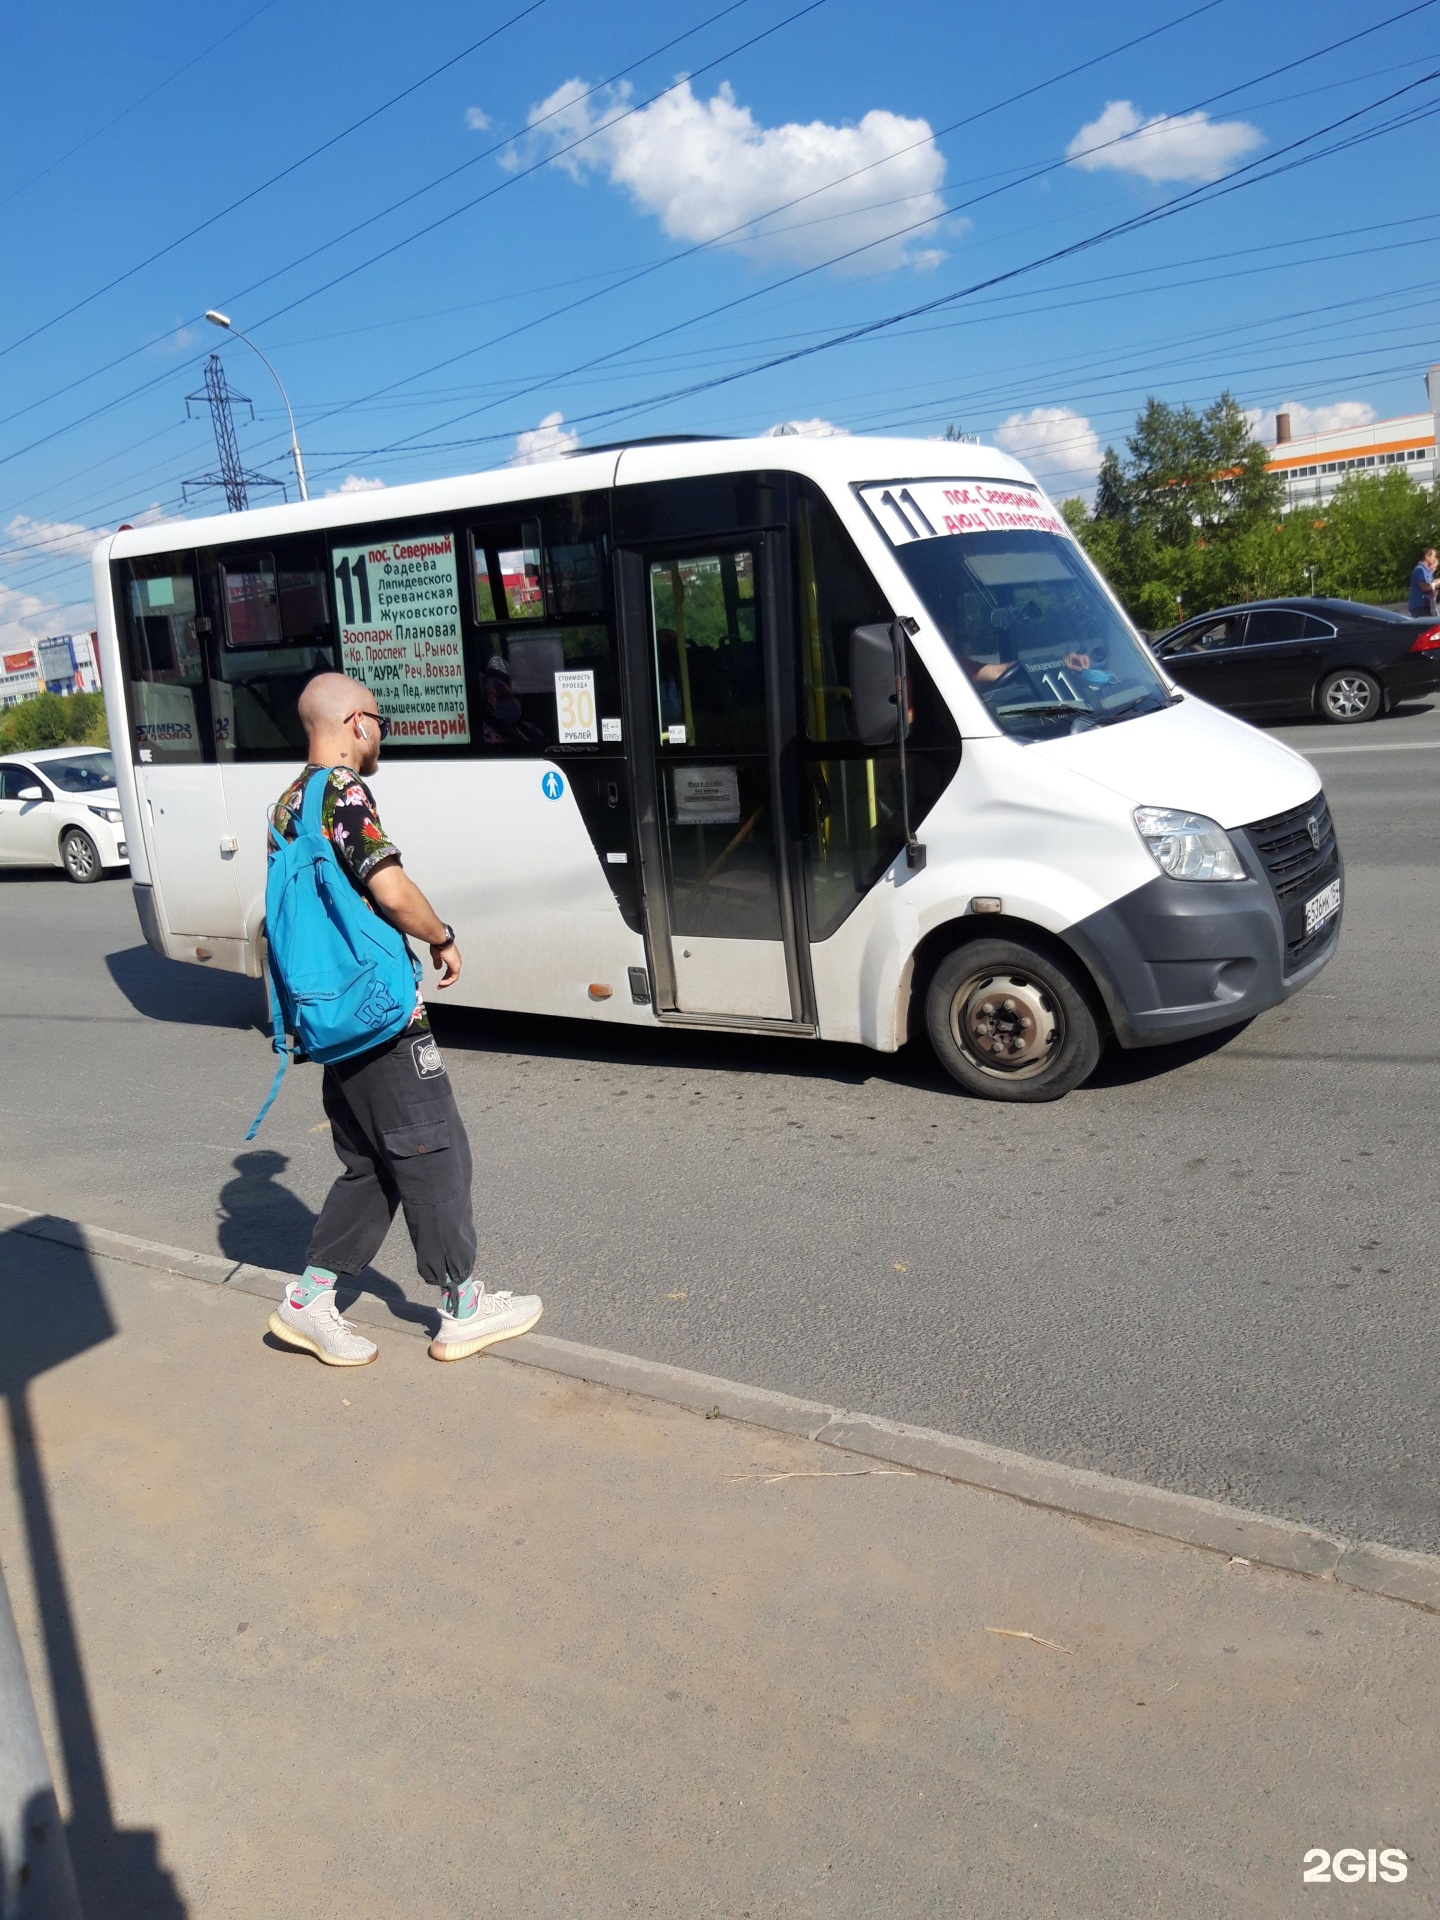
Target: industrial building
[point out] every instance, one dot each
(1314, 464)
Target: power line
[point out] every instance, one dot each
(43, 549)
(981, 114)
(967, 120)
(759, 293)
(985, 312)
(134, 105)
(1287, 66)
(145, 386)
(1228, 183)
(533, 6)
(232, 299)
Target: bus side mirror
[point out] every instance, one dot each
(872, 685)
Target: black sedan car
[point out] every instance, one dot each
(1334, 658)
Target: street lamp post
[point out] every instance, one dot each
(224, 320)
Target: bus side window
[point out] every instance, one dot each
(270, 633)
(169, 703)
(850, 794)
(544, 674)
(508, 572)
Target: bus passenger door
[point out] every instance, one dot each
(705, 630)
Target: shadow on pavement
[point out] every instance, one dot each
(264, 1224)
(1129, 1067)
(261, 1221)
(118, 1871)
(172, 991)
(681, 1049)
(685, 1050)
(1406, 710)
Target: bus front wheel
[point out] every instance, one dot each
(1011, 1023)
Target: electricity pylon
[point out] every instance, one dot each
(233, 477)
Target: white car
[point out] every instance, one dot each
(59, 808)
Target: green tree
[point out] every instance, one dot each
(50, 720)
(1199, 476)
(1112, 499)
(1373, 531)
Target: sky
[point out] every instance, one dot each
(473, 234)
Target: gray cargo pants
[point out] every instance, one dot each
(402, 1143)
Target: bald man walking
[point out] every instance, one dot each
(392, 1111)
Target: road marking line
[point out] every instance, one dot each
(1383, 746)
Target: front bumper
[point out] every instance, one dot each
(1179, 958)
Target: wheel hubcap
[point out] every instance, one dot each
(1006, 1022)
(1348, 697)
(82, 860)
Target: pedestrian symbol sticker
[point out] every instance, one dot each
(552, 786)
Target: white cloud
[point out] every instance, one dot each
(28, 617)
(48, 539)
(354, 483)
(1058, 445)
(478, 120)
(27, 539)
(1180, 146)
(705, 167)
(545, 442)
(811, 429)
(1339, 415)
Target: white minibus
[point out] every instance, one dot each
(839, 738)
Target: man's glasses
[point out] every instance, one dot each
(380, 721)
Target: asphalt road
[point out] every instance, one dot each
(1212, 1268)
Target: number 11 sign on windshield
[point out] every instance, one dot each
(398, 603)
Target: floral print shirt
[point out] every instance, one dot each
(350, 821)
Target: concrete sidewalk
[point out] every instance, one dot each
(478, 1640)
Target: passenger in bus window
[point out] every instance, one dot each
(502, 722)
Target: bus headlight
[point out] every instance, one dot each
(1187, 846)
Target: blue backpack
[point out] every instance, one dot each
(342, 980)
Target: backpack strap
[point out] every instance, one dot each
(277, 1027)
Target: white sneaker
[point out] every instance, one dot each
(318, 1329)
(497, 1316)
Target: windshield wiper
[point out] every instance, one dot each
(1134, 706)
(1049, 706)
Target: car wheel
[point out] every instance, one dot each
(1010, 1023)
(1350, 696)
(81, 857)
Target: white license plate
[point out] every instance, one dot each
(1322, 907)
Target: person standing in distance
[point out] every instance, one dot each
(392, 1111)
(1422, 585)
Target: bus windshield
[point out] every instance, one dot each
(1040, 640)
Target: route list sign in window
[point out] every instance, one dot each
(399, 608)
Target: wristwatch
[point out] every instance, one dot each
(449, 939)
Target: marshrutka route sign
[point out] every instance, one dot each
(398, 603)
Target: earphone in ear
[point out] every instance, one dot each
(363, 734)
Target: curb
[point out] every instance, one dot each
(1390, 1573)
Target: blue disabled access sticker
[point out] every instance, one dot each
(551, 785)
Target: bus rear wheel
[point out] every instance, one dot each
(1011, 1023)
